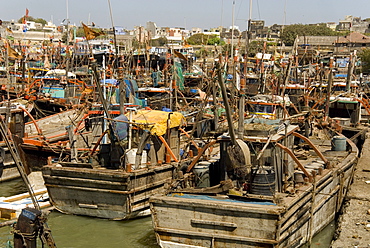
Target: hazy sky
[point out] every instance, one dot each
(185, 13)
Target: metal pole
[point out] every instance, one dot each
(67, 45)
(114, 30)
(330, 82)
(232, 34)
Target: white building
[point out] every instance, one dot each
(51, 27)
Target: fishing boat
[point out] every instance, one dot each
(275, 184)
(287, 188)
(112, 172)
(48, 136)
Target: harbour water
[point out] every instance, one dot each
(70, 231)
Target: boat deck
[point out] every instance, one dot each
(286, 219)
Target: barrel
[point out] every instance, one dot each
(339, 143)
(201, 171)
(263, 182)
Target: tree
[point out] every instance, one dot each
(135, 43)
(30, 18)
(161, 41)
(255, 47)
(204, 39)
(215, 41)
(290, 32)
(202, 53)
(364, 56)
(40, 20)
(80, 32)
(196, 39)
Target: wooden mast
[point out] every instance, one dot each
(114, 31)
(243, 81)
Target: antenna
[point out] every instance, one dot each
(67, 9)
(232, 34)
(282, 29)
(114, 30)
(222, 11)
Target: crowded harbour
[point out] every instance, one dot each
(173, 137)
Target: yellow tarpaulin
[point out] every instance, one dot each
(156, 120)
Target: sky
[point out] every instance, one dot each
(203, 14)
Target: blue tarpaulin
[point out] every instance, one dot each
(121, 128)
(110, 81)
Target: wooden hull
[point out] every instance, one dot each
(9, 170)
(104, 193)
(200, 221)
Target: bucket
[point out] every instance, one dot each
(201, 171)
(339, 143)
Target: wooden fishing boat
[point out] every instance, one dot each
(114, 178)
(287, 188)
(48, 136)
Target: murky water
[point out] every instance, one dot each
(71, 231)
(78, 232)
(324, 238)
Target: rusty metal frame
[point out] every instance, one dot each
(308, 141)
(291, 154)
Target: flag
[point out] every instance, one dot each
(180, 55)
(186, 44)
(90, 33)
(13, 53)
(27, 12)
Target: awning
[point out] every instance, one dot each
(155, 121)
